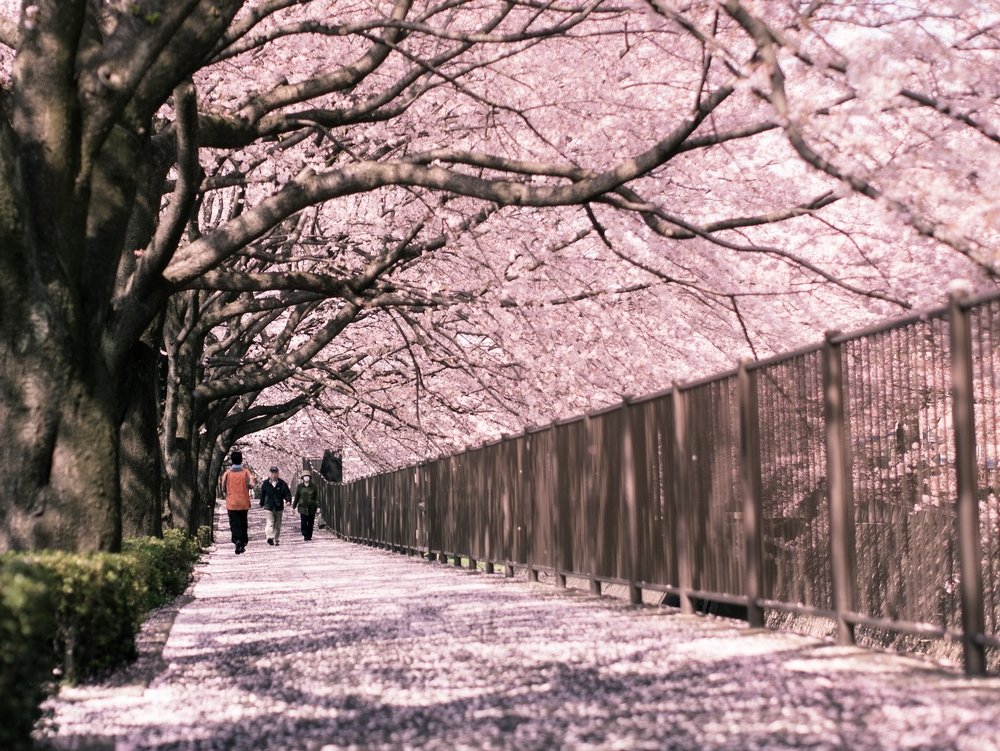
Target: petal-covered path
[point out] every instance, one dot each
(328, 645)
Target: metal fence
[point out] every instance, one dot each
(857, 480)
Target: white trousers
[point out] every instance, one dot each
(272, 530)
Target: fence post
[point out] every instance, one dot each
(682, 541)
(555, 509)
(750, 475)
(427, 493)
(631, 510)
(412, 521)
(842, 554)
(593, 517)
(525, 506)
(963, 414)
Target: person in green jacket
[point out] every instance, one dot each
(306, 501)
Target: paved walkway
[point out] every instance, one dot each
(326, 645)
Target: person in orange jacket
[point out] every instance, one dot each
(235, 487)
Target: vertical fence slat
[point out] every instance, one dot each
(750, 476)
(973, 616)
(630, 505)
(594, 509)
(839, 483)
(682, 538)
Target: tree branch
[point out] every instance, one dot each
(308, 189)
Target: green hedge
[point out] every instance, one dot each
(71, 617)
(166, 565)
(27, 658)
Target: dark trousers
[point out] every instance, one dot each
(307, 525)
(238, 527)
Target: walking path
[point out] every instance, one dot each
(326, 645)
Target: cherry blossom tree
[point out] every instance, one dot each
(219, 214)
(894, 124)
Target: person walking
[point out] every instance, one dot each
(274, 494)
(235, 487)
(306, 502)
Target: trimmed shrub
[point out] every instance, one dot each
(165, 566)
(76, 616)
(98, 596)
(27, 654)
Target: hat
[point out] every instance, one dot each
(274, 469)
(307, 474)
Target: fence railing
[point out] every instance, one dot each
(856, 480)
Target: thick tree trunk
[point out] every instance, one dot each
(179, 426)
(142, 486)
(209, 470)
(180, 473)
(60, 445)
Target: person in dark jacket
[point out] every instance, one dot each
(274, 494)
(306, 502)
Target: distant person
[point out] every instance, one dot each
(306, 502)
(332, 466)
(274, 494)
(235, 487)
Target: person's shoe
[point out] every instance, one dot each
(240, 549)
(275, 542)
(270, 541)
(237, 548)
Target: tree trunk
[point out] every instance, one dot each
(60, 439)
(180, 473)
(142, 489)
(209, 471)
(179, 424)
(179, 459)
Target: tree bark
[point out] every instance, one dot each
(179, 423)
(142, 486)
(60, 437)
